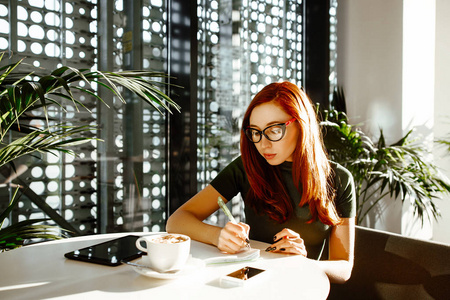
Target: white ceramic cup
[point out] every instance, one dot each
(165, 252)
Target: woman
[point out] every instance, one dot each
(295, 199)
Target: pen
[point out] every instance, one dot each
(229, 215)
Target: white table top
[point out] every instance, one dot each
(41, 272)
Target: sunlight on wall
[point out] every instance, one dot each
(419, 19)
(419, 27)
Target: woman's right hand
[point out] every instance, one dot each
(233, 237)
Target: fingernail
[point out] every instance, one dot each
(282, 249)
(268, 249)
(274, 237)
(247, 240)
(278, 240)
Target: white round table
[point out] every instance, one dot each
(41, 272)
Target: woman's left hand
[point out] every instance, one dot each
(289, 242)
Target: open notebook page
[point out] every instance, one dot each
(211, 255)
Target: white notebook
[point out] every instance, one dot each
(211, 255)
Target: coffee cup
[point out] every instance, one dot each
(165, 252)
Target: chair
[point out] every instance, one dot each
(391, 266)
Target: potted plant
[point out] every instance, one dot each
(21, 93)
(402, 170)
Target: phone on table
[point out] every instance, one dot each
(242, 276)
(109, 253)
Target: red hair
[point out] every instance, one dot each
(310, 170)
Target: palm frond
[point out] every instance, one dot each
(21, 95)
(58, 138)
(14, 236)
(10, 207)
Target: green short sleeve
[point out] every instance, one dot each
(345, 200)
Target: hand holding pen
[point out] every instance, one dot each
(234, 235)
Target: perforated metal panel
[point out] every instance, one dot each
(66, 32)
(50, 34)
(141, 208)
(243, 46)
(154, 38)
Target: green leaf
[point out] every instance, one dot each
(10, 207)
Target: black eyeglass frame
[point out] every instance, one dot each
(248, 131)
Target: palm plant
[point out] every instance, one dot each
(401, 170)
(22, 92)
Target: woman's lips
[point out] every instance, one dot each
(269, 156)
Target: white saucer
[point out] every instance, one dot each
(192, 265)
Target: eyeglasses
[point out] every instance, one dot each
(273, 133)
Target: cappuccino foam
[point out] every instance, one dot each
(170, 239)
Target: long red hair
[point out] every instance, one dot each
(310, 170)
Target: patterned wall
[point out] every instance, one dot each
(243, 46)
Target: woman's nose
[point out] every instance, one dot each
(265, 143)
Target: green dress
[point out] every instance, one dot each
(233, 180)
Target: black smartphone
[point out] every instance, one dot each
(109, 253)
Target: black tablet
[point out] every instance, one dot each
(109, 253)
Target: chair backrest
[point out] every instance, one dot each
(391, 266)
